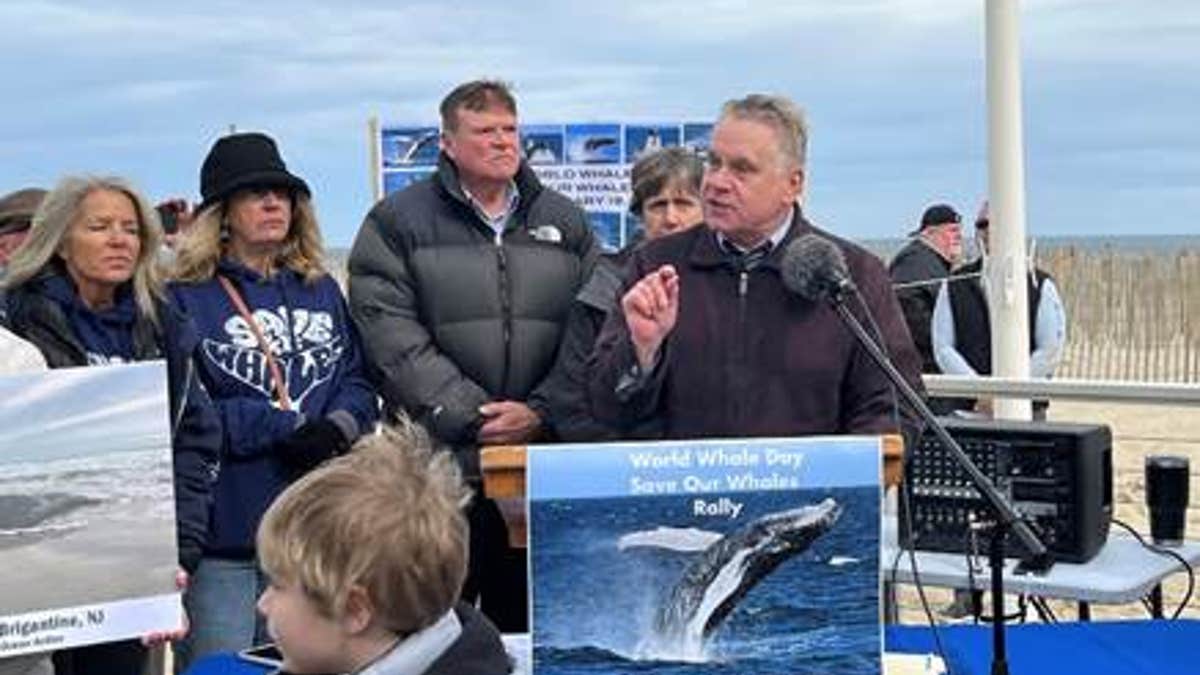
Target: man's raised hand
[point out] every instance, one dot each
(651, 308)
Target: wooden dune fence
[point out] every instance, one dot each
(1130, 316)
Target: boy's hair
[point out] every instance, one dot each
(388, 516)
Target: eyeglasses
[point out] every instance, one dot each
(261, 192)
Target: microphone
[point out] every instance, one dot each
(815, 269)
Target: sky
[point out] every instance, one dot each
(73, 412)
(894, 91)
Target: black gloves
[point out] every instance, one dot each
(312, 443)
(455, 424)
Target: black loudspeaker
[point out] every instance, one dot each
(1057, 476)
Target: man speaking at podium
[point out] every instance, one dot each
(710, 340)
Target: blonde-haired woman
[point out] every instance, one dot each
(84, 289)
(279, 357)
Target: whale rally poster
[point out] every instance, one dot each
(705, 557)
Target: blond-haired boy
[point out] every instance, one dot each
(366, 556)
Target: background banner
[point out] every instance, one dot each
(587, 161)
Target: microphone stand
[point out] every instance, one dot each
(1007, 518)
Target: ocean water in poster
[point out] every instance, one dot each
(739, 556)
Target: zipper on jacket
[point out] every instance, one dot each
(743, 288)
(505, 314)
(743, 348)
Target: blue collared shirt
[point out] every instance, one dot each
(499, 221)
(1049, 332)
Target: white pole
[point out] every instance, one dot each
(1006, 269)
(374, 156)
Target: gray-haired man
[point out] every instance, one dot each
(709, 342)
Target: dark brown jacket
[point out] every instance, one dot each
(748, 357)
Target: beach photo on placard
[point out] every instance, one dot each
(87, 512)
(720, 557)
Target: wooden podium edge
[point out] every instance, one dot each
(503, 468)
(893, 459)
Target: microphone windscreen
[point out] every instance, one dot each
(813, 268)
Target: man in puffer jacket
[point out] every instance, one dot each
(460, 285)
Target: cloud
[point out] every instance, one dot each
(1094, 34)
(894, 88)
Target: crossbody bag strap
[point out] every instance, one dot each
(276, 376)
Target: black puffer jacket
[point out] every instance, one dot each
(452, 318)
(35, 315)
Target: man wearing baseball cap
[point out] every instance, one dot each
(16, 215)
(918, 270)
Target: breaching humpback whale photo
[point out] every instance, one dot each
(770, 581)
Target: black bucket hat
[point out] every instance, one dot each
(242, 161)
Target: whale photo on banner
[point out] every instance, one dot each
(586, 161)
(715, 556)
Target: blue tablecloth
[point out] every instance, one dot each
(1086, 648)
(226, 664)
(1125, 647)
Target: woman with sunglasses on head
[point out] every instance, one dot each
(279, 356)
(84, 288)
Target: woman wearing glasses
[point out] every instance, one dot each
(279, 356)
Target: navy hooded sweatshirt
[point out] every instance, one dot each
(107, 334)
(319, 354)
